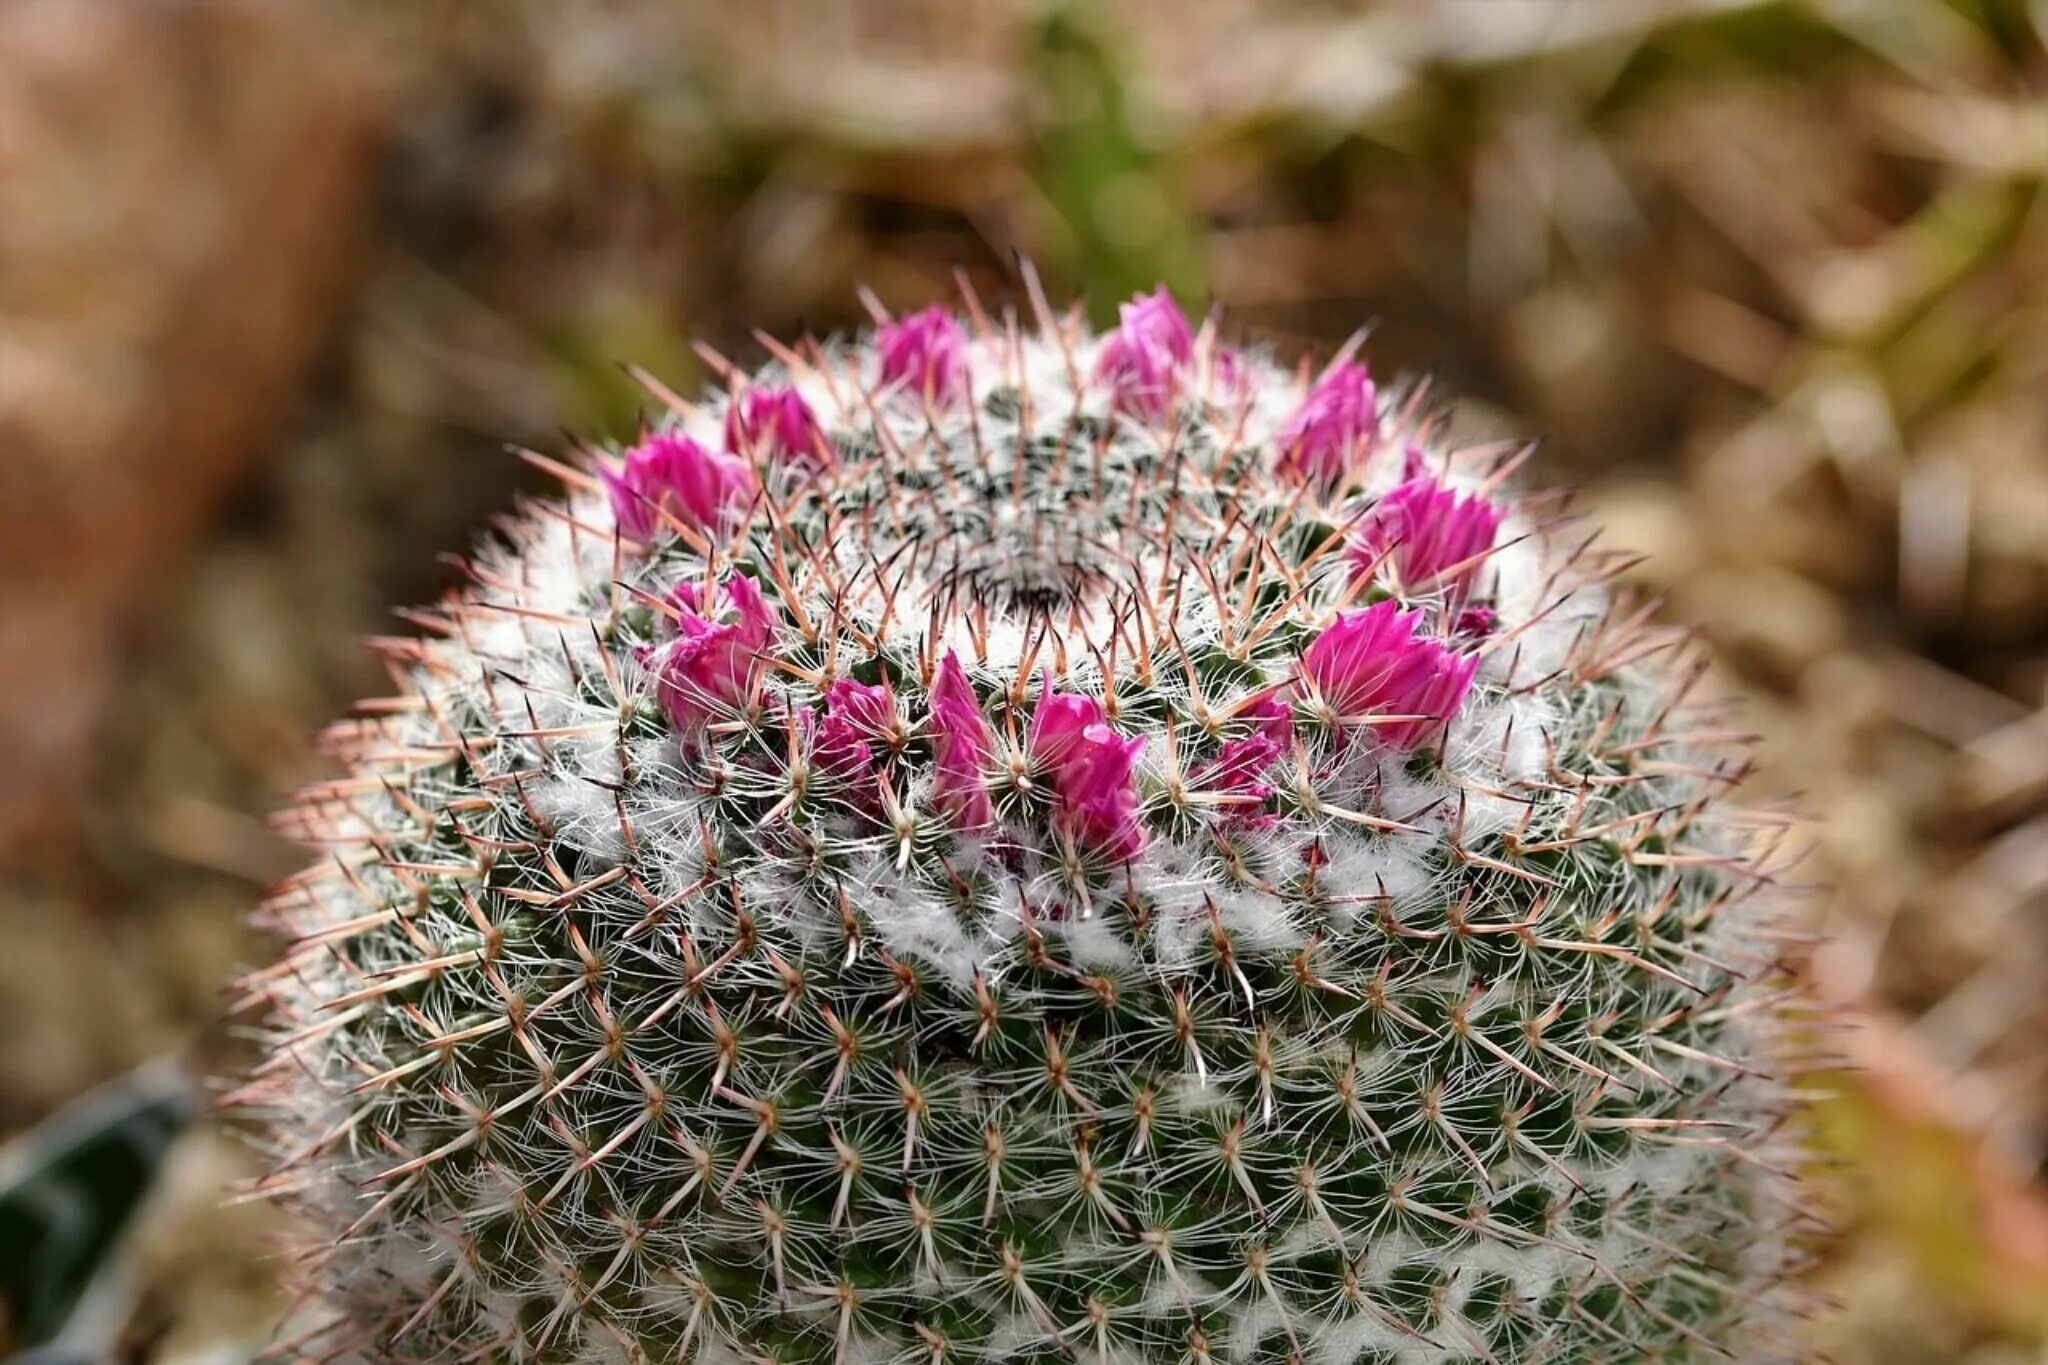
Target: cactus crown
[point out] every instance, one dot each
(990, 841)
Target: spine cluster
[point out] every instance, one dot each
(991, 842)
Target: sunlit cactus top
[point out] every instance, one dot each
(991, 841)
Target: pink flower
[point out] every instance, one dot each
(925, 354)
(867, 709)
(963, 747)
(1229, 372)
(1332, 433)
(1091, 770)
(1272, 717)
(1371, 663)
(857, 716)
(1142, 358)
(1240, 768)
(712, 669)
(1426, 537)
(1475, 623)
(672, 473)
(778, 426)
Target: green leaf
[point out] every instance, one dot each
(71, 1185)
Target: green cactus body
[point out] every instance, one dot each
(1110, 893)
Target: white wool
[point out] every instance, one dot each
(1256, 919)
(1171, 881)
(582, 814)
(1364, 868)
(915, 923)
(1094, 944)
(1343, 1339)
(1191, 1096)
(718, 1350)
(1253, 1319)
(1013, 1335)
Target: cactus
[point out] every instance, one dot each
(985, 841)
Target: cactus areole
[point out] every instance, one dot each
(987, 841)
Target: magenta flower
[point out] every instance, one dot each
(857, 717)
(963, 747)
(776, 425)
(1272, 717)
(1475, 623)
(925, 354)
(866, 709)
(1239, 770)
(1371, 663)
(1091, 769)
(1143, 357)
(671, 473)
(1240, 767)
(712, 669)
(1229, 373)
(1425, 536)
(1331, 435)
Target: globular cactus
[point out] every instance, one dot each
(991, 842)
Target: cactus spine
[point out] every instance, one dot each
(987, 841)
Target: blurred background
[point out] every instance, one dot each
(280, 280)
